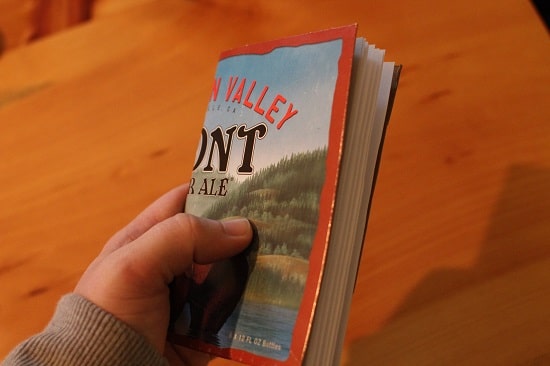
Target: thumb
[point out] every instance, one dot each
(170, 247)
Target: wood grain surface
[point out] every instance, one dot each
(22, 21)
(99, 120)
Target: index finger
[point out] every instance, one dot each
(169, 204)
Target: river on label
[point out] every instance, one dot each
(265, 330)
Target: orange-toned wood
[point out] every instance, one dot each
(55, 15)
(99, 120)
(16, 22)
(22, 21)
(109, 7)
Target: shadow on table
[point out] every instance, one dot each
(508, 274)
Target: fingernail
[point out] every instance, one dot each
(237, 226)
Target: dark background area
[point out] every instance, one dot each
(543, 7)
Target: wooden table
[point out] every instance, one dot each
(98, 121)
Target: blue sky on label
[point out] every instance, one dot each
(305, 76)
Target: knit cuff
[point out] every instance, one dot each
(81, 333)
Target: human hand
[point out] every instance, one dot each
(130, 277)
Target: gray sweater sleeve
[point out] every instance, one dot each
(81, 333)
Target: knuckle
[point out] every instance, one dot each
(189, 225)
